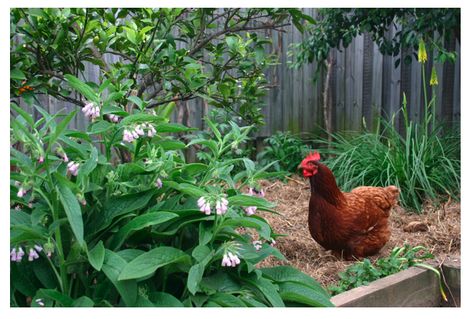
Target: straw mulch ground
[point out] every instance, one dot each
(437, 228)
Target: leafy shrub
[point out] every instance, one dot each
(286, 149)
(114, 216)
(364, 272)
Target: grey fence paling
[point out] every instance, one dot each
(364, 85)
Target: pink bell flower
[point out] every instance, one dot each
(251, 210)
(159, 183)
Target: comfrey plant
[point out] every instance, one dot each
(110, 218)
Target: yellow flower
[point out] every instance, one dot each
(422, 54)
(433, 77)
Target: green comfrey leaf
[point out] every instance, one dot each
(220, 281)
(287, 273)
(96, 256)
(188, 189)
(139, 118)
(261, 226)
(296, 292)
(163, 299)
(212, 145)
(130, 254)
(54, 295)
(136, 100)
(195, 169)
(172, 128)
(140, 222)
(149, 262)
(100, 127)
(19, 218)
(266, 287)
(245, 200)
(203, 255)
(83, 301)
(119, 206)
(170, 145)
(226, 300)
(72, 209)
(83, 88)
(24, 114)
(89, 165)
(112, 267)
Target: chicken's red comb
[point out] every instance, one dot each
(314, 156)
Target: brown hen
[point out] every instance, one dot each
(353, 224)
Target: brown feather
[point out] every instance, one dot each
(349, 224)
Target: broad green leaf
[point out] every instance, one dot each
(72, 209)
(56, 296)
(282, 274)
(169, 145)
(214, 129)
(131, 35)
(205, 234)
(163, 299)
(130, 254)
(60, 128)
(226, 300)
(195, 168)
(200, 252)
(211, 144)
(245, 200)
(253, 222)
(270, 291)
(172, 128)
(28, 118)
(19, 218)
(96, 256)
(112, 267)
(22, 279)
(44, 273)
(82, 149)
(147, 263)
(292, 291)
(194, 277)
(89, 165)
(99, 127)
(83, 88)
(23, 160)
(83, 301)
(187, 189)
(118, 206)
(140, 117)
(220, 281)
(17, 74)
(140, 222)
(136, 100)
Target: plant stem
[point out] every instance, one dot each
(57, 234)
(426, 103)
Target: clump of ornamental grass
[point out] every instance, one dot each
(424, 162)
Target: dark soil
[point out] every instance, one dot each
(437, 228)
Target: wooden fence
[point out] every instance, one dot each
(364, 84)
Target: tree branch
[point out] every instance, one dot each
(233, 30)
